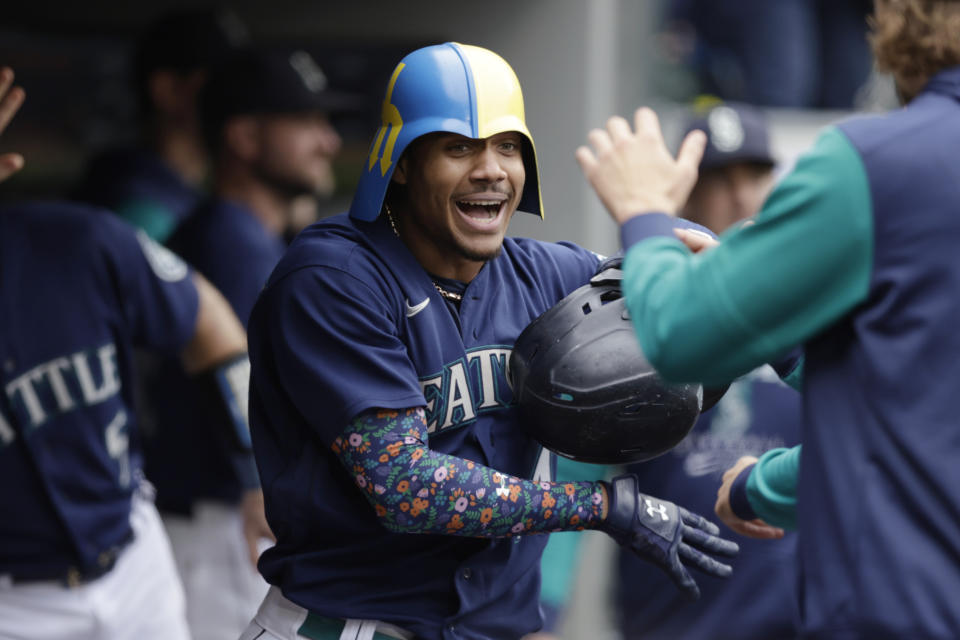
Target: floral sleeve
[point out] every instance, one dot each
(416, 490)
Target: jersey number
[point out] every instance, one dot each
(118, 446)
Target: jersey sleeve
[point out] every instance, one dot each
(771, 487)
(767, 287)
(336, 348)
(153, 217)
(154, 287)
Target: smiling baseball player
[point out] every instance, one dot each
(398, 478)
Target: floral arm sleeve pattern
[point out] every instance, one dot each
(416, 490)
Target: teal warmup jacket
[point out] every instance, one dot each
(856, 255)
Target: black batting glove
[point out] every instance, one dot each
(667, 535)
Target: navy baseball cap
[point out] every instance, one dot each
(255, 81)
(736, 133)
(186, 40)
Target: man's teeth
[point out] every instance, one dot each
(486, 204)
(475, 207)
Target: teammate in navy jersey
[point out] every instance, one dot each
(854, 254)
(266, 113)
(399, 481)
(83, 555)
(155, 184)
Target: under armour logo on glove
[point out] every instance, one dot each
(667, 535)
(660, 508)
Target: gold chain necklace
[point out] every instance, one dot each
(449, 295)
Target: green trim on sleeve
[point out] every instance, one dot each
(794, 379)
(772, 487)
(768, 287)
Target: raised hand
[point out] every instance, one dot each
(633, 172)
(752, 528)
(10, 100)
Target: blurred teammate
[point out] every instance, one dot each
(154, 186)
(83, 555)
(265, 114)
(757, 413)
(736, 171)
(398, 479)
(853, 254)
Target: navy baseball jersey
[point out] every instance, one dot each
(141, 189)
(757, 413)
(78, 290)
(225, 242)
(350, 321)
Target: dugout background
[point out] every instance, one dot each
(578, 62)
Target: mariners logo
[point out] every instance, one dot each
(165, 263)
(467, 387)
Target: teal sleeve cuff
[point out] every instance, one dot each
(772, 487)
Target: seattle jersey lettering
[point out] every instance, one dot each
(468, 387)
(60, 385)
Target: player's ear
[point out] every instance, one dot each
(400, 173)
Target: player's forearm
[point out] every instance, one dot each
(416, 490)
(218, 334)
(767, 287)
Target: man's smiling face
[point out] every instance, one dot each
(461, 194)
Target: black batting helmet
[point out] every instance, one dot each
(585, 389)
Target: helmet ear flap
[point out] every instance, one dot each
(530, 200)
(587, 392)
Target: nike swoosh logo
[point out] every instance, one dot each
(414, 309)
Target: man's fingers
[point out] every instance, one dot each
(698, 521)
(586, 159)
(692, 148)
(758, 529)
(6, 79)
(710, 543)
(695, 240)
(10, 102)
(648, 124)
(600, 140)
(703, 562)
(684, 581)
(619, 129)
(10, 163)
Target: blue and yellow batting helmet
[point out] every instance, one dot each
(447, 87)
